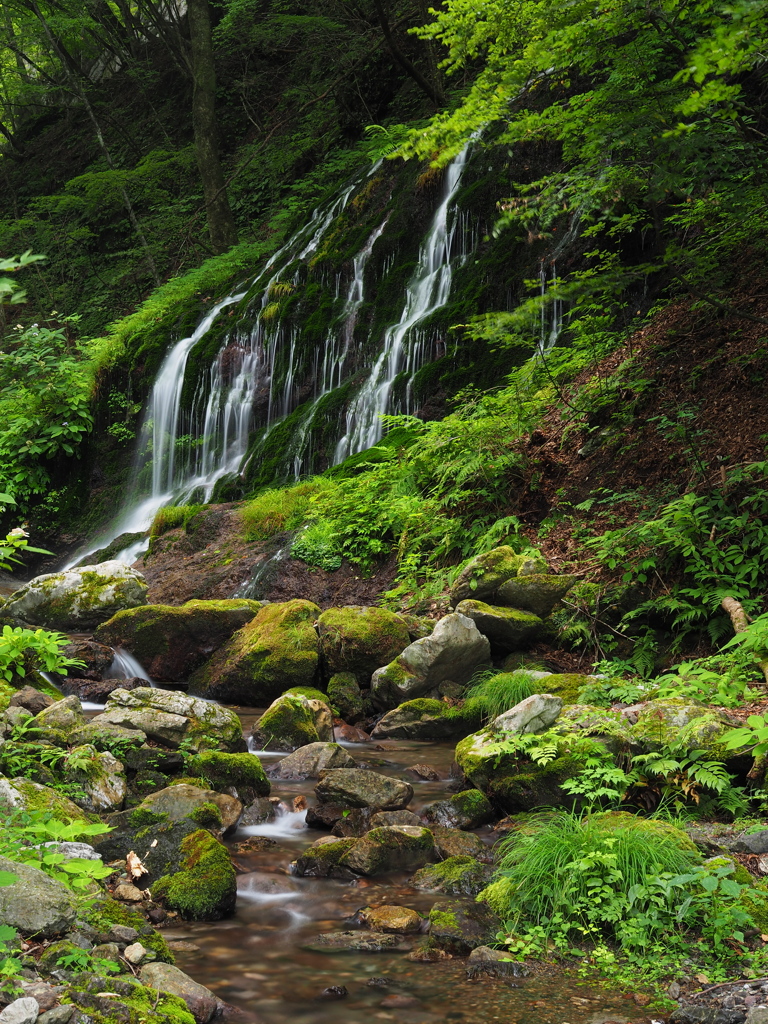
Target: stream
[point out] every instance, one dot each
(257, 960)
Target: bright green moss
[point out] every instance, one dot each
(360, 639)
(455, 876)
(135, 1003)
(243, 771)
(206, 815)
(205, 887)
(105, 912)
(310, 692)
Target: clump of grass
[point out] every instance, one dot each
(279, 508)
(171, 517)
(549, 867)
(492, 693)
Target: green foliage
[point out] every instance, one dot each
(15, 542)
(317, 544)
(276, 510)
(80, 960)
(492, 693)
(10, 295)
(23, 650)
(31, 837)
(170, 517)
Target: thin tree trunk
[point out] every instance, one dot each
(435, 94)
(221, 223)
(740, 620)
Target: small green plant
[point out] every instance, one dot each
(492, 693)
(23, 650)
(317, 544)
(80, 960)
(10, 964)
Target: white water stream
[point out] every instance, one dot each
(191, 450)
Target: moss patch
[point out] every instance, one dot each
(135, 1003)
(360, 640)
(205, 887)
(456, 876)
(243, 771)
(106, 912)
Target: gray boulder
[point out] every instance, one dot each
(35, 903)
(60, 720)
(534, 714)
(20, 1011)
(309, 761)
(358, 787)
(454, 650)
(173, 718)
(756, 843)
(485, 574)
(459, 926)
(103, 784)
(201, 1002)
(537, 593)
(469, 809)
(182, 801)
(507, 628)
(392, 848)
(426, 719)
(78, 599)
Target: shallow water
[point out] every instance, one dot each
(257, 960)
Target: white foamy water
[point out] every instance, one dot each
(285, 825)
(125, 666)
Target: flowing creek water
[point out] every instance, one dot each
(257, 960)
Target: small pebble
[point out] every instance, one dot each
(334, 992)
(135, 953)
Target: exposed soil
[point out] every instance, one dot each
(213, 559)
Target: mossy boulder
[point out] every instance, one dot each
(293, 721)
(389, 918)
(276, 649)
(466, 810)
(534, 785)
(667, 721)
(78, 599)
(59, 721)
(459, 926)
(456, 876)
(129, 1002)
(103, 913)
(346, 698)
(360, 639)
(537, 592)
(392, 848)
(99, 776)
(359, 787)
(36, 904)
(243, 772)
(567, 685)
(181, 801)
(755, 901)
(486, 573)
(507, 629)
(174, 718)
(171, 642)
(453, 652)
(203, 1004)
(35, 797)
(203, 887)
(426, 719)
(452, 842)
(323, 859)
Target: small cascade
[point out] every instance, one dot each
(551, 314)
(252, 588)
(125, 666)
(428, 290)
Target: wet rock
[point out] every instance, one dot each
(101, 781)
(324, 859)
(424, 771)
(31, 700)
(36, 903)
(20, 1011)
(183, 801)
(456, 876)
(309, 761)
(355, 823)
(349, 733)
(383, 818)
(78, 599)
(537, 592)
(459, 926)
(534, 714)
(507, 629)
(345, 695)
(171, 642)
(324, 816)
(389, 918)
(426, 719)
(356, 787)
(98, 691)
(291, 722)
(465, 810)
(359, 639)
(173, 718)
(201, 1002)
(97, 657)
(46, 996)
(334, 992)
(276, 649)
(427, 954)
(454, 650)
(487, 572)
(452, 842)
(258, 812)
(394, 848)
(58, 1015)
(353, 942)
(493, 963)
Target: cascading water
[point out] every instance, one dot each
(255, 380)
(428, 290)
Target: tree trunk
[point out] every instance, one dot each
(221, 223)
(740, 620)
(435, 94)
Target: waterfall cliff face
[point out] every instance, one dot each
(293, 371)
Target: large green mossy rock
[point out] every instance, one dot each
(455, 876)
(466, 810)
(507, 629)
(244, 772)
(173, 718)
(171, 642)
(668, 721)
(487, 572)
(453, 651)
(459, 926)
(346, 698)
(426, 719)
(276, 649)
(32, 796)
(77, 600)
(392, 848)
(360, 639)
(293, 721)
(537, 592)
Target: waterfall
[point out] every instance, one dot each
(427, 291)
(259, 375)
